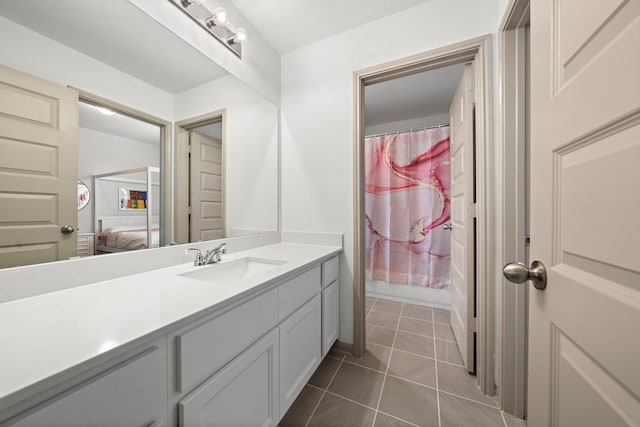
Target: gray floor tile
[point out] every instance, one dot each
(455, 412)
(418, 312)
(416, 326)
(384, 420)
(410, 402)
(444, 332)
(322, 376)
(358, 384)
(376, 357)
(449, 352)
(383, 319)
(413, 343)
(388, 306)
(380, 335)
(414, 368)
(456, 380)
(368, 302)
(441, 316)
(336, 412)
(302, 408)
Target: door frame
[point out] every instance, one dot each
(511, 206)
(183, 171)
(479, 51)
(166, 157)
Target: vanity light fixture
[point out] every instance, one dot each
(215, 22)
(105, 111)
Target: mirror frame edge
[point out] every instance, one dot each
(166, 157)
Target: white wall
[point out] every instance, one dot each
(317, 114)
(407, 124)
(40, 56)
(251, 150)
(260, 64)
(100, 153)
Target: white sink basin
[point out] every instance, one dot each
(225, 273)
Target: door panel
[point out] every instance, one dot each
(462, 241)
(38, 169)
(207, 210)
(584, 363)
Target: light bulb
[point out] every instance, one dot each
(219, 15)
(239, 36)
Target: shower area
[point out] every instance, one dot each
(407, 187)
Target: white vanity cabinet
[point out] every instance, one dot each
(240, 363)
(330, 304)
(131, 393)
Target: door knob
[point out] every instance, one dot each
(67, 229)
(519, 273)
(448, 227)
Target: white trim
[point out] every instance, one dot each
(511, 340)
(478, 50)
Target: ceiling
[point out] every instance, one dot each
(290, 24)
(101, 32)
(419, 95)
(287, 24)
(117, 124)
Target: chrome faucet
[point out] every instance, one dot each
(210, 257)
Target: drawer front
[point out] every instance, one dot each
(130, 394)
(330, 316)
(297, 291)
(330, 271)
(203, 350)
(299, 351)
(244, 393)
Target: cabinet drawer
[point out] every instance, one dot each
(330, 271)
(203, 350)
(330, 316)
(130, 394)
(297, 291)
(300, 348)
(244, 393)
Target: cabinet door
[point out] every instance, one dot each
(244, 393)
(299, 351)
(130, 394)
(330, 316)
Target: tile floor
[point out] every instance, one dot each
(412, 375)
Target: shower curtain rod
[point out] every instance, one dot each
(408, 130)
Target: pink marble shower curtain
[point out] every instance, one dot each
(406, 205)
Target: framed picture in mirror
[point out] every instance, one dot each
(132, 199)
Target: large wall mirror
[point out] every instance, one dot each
(136, 172)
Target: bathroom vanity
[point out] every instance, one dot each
(232, 343)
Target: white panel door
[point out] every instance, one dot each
(584, 351)
(38, 169)
(462, 217)
(207, 209)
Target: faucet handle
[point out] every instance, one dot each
(199, 258)
(222, 247)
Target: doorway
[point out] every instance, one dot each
(200, 199)
(478, 52)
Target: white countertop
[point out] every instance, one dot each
(44, 335)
